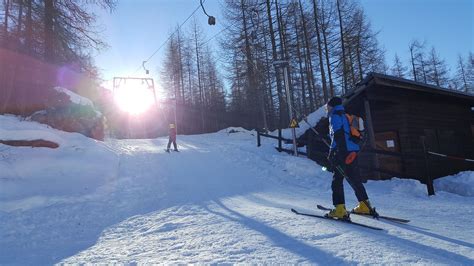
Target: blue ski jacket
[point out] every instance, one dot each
(339, 132)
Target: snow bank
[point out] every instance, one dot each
(15, 128)
(231, 130)
(312, 118)
(398, 186)
(461, 184)
(33, 177)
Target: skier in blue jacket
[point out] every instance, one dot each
(343, 159)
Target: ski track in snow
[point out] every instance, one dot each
(223, 200)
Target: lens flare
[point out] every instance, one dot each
(134, 100)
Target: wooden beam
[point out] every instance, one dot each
(37, 143)
(370, 128)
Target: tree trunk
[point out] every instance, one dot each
(309, 74)
(298, 52)
(326, 53)
(29, 27)
(412, 48)
(181, 74)
(49, 31)
(201, 106)
(359, 62)
(436, 76)
(284, 55)
(281, 102)
(320, 52)
(344, 65)
(351, 63)
(423, 69)
(6, 3)
(463, 75)
(20, 19)
(269, 93)
(250, 70)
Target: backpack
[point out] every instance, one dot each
(357, 128)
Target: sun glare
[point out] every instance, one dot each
(134, 99)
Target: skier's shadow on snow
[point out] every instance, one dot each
(288, 242)
(409, 243)
(434, 235)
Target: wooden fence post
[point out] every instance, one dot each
(279, 139)
(429, 180)
(258, 139)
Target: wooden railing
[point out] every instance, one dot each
(280, 141)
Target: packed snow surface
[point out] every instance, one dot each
(219, 200)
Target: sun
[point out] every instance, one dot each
(134, 99)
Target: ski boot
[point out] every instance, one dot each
(365, 208)
(338, 213)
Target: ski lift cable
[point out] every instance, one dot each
(215, 35)
(169, 37)
(201, 1)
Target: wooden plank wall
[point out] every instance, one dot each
(416, 115)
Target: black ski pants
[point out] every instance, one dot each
(171, 140)
(353, 178)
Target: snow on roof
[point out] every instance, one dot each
(402, 83)
(311, 120)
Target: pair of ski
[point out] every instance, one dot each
(393, 219)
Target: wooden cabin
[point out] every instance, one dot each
(404, 119)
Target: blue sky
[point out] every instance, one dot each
(448, 25)
(138, 27)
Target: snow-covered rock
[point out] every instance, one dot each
(74, 97)
(72, 113)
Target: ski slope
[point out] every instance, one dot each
(220, 200)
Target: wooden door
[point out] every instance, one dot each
(389, 141)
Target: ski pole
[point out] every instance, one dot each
(337, 167)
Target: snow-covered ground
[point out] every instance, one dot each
(220, 200)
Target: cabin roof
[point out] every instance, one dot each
(385, 80)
